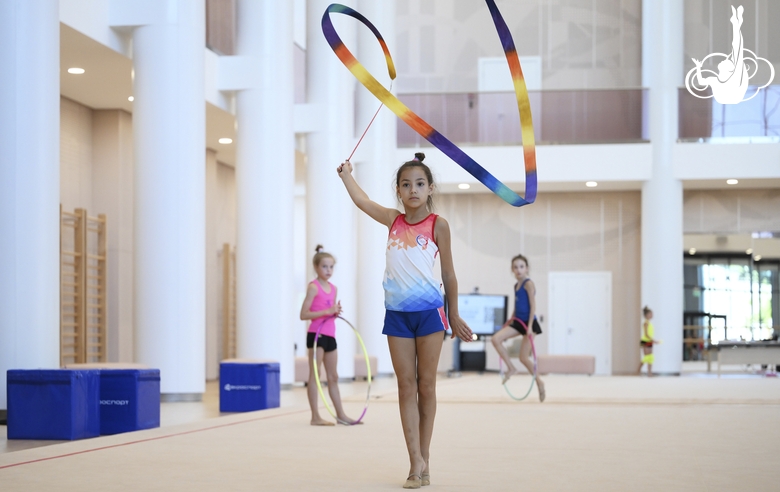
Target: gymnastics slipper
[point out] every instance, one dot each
(413, 482)
(425, 479)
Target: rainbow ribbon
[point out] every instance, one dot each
(427, 131)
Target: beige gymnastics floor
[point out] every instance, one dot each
(592, 433)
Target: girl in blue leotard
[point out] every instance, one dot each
(525, 309)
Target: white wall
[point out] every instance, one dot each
(220, 229)
(560, 232)
(112, 194)
(303, 269)
(695, 161)
(555, 163)
(731, 211)
(223, 208)
(97, 174)
(213, 334)
(621, 165)
(75, 156)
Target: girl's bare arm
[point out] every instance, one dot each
(374, 210)
(530, 288)
(307, 313)
(442, 237)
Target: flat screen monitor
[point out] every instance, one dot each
(484, 313)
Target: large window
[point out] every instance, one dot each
(744, 291)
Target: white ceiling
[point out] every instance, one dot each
(107, 83)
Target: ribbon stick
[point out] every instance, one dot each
(427, 131)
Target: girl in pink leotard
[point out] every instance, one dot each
(321, 307)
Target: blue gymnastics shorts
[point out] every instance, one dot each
(414, 324)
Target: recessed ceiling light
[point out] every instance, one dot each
(76, 70)
(131, 99)
(749, 251)
(757, 258)
(732, 181)
(692, 251)
(225, 140)
(591, 184)
(464, 186)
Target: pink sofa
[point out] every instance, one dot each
(566, 364)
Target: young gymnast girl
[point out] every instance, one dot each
(525, 309)
(414, 316)
(646, 341)
(321, 307)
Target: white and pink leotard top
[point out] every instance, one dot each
(411, 252)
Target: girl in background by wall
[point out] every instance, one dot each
(321, 307)
(525, 309)
(414, 317)
(646, 341)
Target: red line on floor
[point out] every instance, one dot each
(153, 438)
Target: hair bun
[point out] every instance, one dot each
(319, 248)
(419, 156)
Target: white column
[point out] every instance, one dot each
(169, 123)
(29, 186)
(331, 216)
(265, 179)
(662, 195)
(376, 161)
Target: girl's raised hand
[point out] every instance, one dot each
(344, 168)
(460, 329)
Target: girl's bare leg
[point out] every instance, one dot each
(498, 340)
(525, 359)
(650, 364)
(645, 351)
(331, 366)
(403, 352)
(428, 351)
(311, 388)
